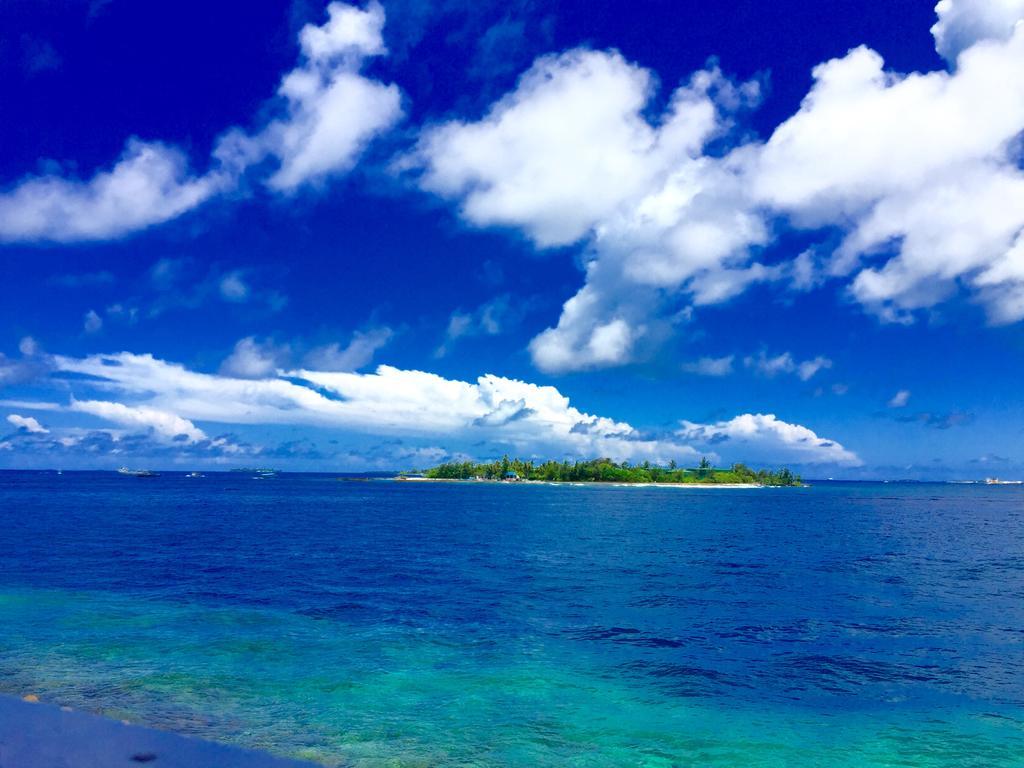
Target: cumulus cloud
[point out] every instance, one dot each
(586, 338)
(327, 113)
(808, 368)
(553, 159)
(92, 322)
(785, 363)
(27, 423)
(763, 437)
(357, 354)
(252, 359)
(498, 413)
(150, 184)
(330, 111)
(900, 399)
(28, 346)
(233, 287)
(963, 23)
(570, 154)
(920, 171)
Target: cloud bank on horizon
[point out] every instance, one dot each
(162, 402)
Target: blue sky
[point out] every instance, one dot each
(378, 236)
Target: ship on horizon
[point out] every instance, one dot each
(137, 472)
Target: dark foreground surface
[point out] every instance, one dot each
(388, 624)
(44, 736)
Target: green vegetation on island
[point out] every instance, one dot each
(608, 471)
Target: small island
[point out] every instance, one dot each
(608, 471)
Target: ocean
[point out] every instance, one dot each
(383, 623)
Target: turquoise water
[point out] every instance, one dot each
(378, 624)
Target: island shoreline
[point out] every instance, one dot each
(579, 483)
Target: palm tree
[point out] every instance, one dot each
(704, 467)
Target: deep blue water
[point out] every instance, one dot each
(389, 623)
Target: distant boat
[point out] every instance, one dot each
(137, 472)
(997, 481)
(264, 474)
(195, 474)
(259, 473)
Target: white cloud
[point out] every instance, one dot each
(900, 399)
(459, 324)
(516, 414)
(896, 130)
(571, 154)
(28, 424)
(349, 33)
(163, 423)
(785, 363)
(595, 329)
(28, 346)
(233, 287)
(771, 366)
(565, 149)
(921, 171)
(356, 354)
(251, 359)
(962, 23)
(711, 366)
(150, 184)
(330, 113)
(765, 438)
(962, 230)
(808, 368)
(497, 413)
(93, 322)
(143, 430)
(487, 320)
